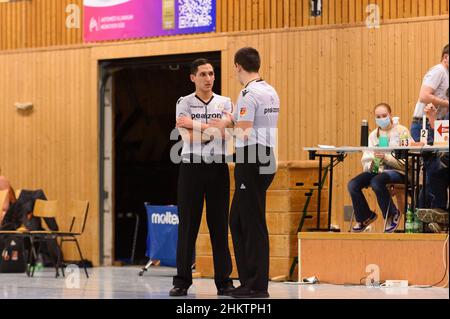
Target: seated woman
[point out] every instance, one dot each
(393, 172)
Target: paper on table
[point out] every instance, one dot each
(326, 146)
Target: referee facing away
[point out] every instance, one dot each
(203, 175)
(255, 119)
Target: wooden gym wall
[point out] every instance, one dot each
(41, 23)
(328, 78)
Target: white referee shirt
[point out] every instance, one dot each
(203, 111)
(259, 103)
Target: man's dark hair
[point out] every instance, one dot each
(248, 58)
(444, 51)
(197, 63)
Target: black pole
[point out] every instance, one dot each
(319, 192)
(413, 184)
(330, 193)
(424, 183)
(406, 183)
(417, 181)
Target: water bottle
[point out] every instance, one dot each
(418, 225)
(409, 225)
(395, 135)
(376, 165)
(364, 133)
(404, 139)
(383, 141)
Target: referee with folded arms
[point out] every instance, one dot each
(203, 175)
(255, 119)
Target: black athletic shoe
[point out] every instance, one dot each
(178, 292)
(393, 222)
(360, 227)
(226, 290)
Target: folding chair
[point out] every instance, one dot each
(76, 208)
(46, 209)
(17, 193)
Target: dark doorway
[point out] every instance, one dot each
(144, 93)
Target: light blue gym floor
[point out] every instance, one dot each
(124, 283)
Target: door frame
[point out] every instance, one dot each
(152, 48)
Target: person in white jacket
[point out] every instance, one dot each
(391, 170)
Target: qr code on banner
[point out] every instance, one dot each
(194, 13)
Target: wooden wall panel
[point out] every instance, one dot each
(328, 80)
(26, 24)
(53, 147)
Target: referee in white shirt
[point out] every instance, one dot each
(203, 176)
(256, 118)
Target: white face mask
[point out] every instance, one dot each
(383, 122)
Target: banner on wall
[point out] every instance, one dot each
(127, 19)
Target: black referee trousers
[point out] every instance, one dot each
(248, 223)
(198, 182)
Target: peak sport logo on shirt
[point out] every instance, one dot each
(163, 219)
(244, 93)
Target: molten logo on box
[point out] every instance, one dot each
(167, 218)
